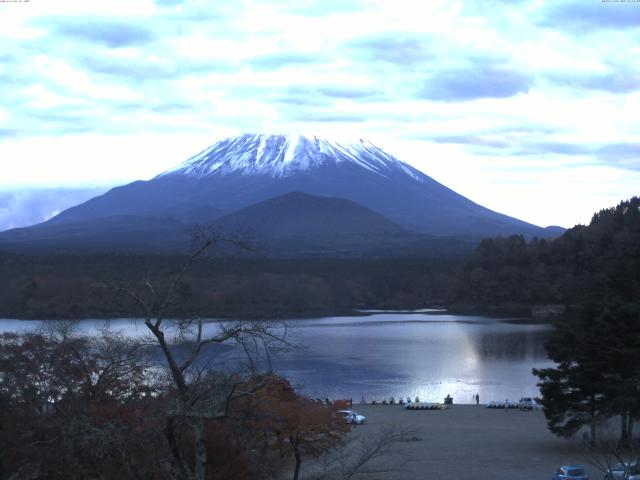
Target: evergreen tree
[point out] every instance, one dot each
(618, 329)
(573, 392)
(598, 371)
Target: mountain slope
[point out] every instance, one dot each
(131, 233)
(240, 171)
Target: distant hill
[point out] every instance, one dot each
(299, 214)
(553, 231)
(302, 225)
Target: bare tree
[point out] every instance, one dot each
(63, 393)
(609, 454)
(364, 456)
(200, 394)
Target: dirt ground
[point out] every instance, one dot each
(469, 441)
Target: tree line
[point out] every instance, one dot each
(66, 286)
(593, 271)
(587, 263)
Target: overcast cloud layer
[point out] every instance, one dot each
(531, 108)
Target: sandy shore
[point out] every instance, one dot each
(469, 441)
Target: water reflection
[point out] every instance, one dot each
(513, 345)
(424, 354)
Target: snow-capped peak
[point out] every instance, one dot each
(283, 155)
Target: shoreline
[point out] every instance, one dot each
(356, 312)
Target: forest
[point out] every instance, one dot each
(84, 286)
(592, 262)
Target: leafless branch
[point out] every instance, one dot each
(364, 456)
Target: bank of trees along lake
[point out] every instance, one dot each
(593, 272)
(77, 286)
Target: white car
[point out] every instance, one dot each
(626, 471)
(527, 403)
(352, 417)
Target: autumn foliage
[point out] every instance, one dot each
(292, 424)
(77, 408)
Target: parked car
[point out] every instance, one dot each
(526, 403)
(352, 417)
(624, 471)
(571, 472)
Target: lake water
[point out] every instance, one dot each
(428, 354)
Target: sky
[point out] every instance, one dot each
(530, 108)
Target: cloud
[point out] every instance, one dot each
(170, 107)
(324, 7)
(145, 69)
(547, 147)
(617, 81)
(275, 61)
(10, 68)
(65, 118)
(9, 132)
(393, 47)
(471, 140)
(476, 81)
(168, 3)
(134, 69)
(110, 33)
(621, 155)
(300, 97)
(508, 145)
(337, 91)
(582, 16)
(322, 95)
(30, 206)
(330, 118)
(324, 115)
(624, 155)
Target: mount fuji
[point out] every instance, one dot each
(381, 194)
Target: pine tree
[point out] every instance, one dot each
(598, 372)
(618, 328)
(573, 392)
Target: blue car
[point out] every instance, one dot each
(571, 472)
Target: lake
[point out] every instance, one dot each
(427, 354)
